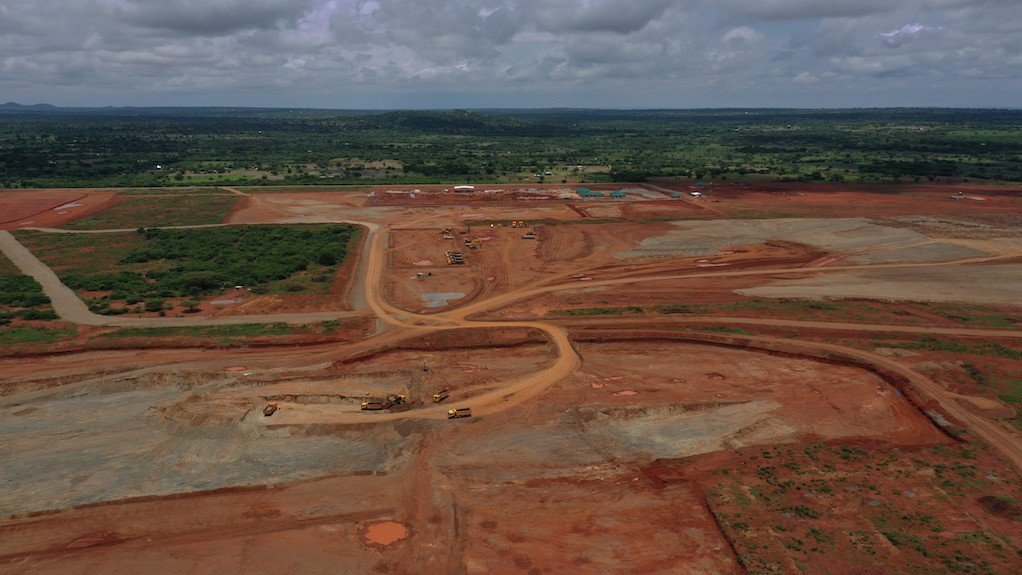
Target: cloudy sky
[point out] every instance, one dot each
(512, 53)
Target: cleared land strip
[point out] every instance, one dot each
(807, 324)
(125, 230)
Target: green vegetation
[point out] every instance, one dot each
(145, 267)
(161, 210)
(810, 505)
(28, 334)
(830, 310)
(632, 309)
(1011, 393)
(723, 329)
(21, 296)
(933, 344)
(224, 334)
(210, 331)
(124, 147)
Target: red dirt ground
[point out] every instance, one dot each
(37, 208)
(654, 456)
(801, 199)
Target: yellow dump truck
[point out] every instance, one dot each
(376, 404)
(459, 412)
(440, 396)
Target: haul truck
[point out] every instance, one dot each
(378, 404)
(459, 412)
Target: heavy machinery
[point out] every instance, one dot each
(376, 404)
(440, 396)
(270, 409)
(459, 412)
(455, 258)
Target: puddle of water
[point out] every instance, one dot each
(386, 532)
(628, 393)
(441, 299)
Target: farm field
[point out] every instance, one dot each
(139, 209)
(803, 378)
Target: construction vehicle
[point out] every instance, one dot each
(529, 236)
(440, 396)
(459, 412)
(377, 404)
(270, 409)
(455, 258)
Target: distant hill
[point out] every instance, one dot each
(17, 106)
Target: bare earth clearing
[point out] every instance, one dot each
(732, 392)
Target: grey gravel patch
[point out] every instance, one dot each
(713, 237)
(936, 252)
(106, 446)
(441, 299)
(977, 284)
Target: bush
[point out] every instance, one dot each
(38, 314)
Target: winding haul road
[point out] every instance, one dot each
(367, 296)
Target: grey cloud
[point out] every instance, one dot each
(502, 52)
(807, 9)
(620, 16)
(208, 16)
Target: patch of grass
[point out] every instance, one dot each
(21, 292)
(933, 344)
(1012, 395)
(173, 191)
(208, 331)
(899, 539)
(724, 329)
(7, 267)
(161, 210)
(21, 296)
(28, 334)
(225, 333)
(676, 308)
(632, 309)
